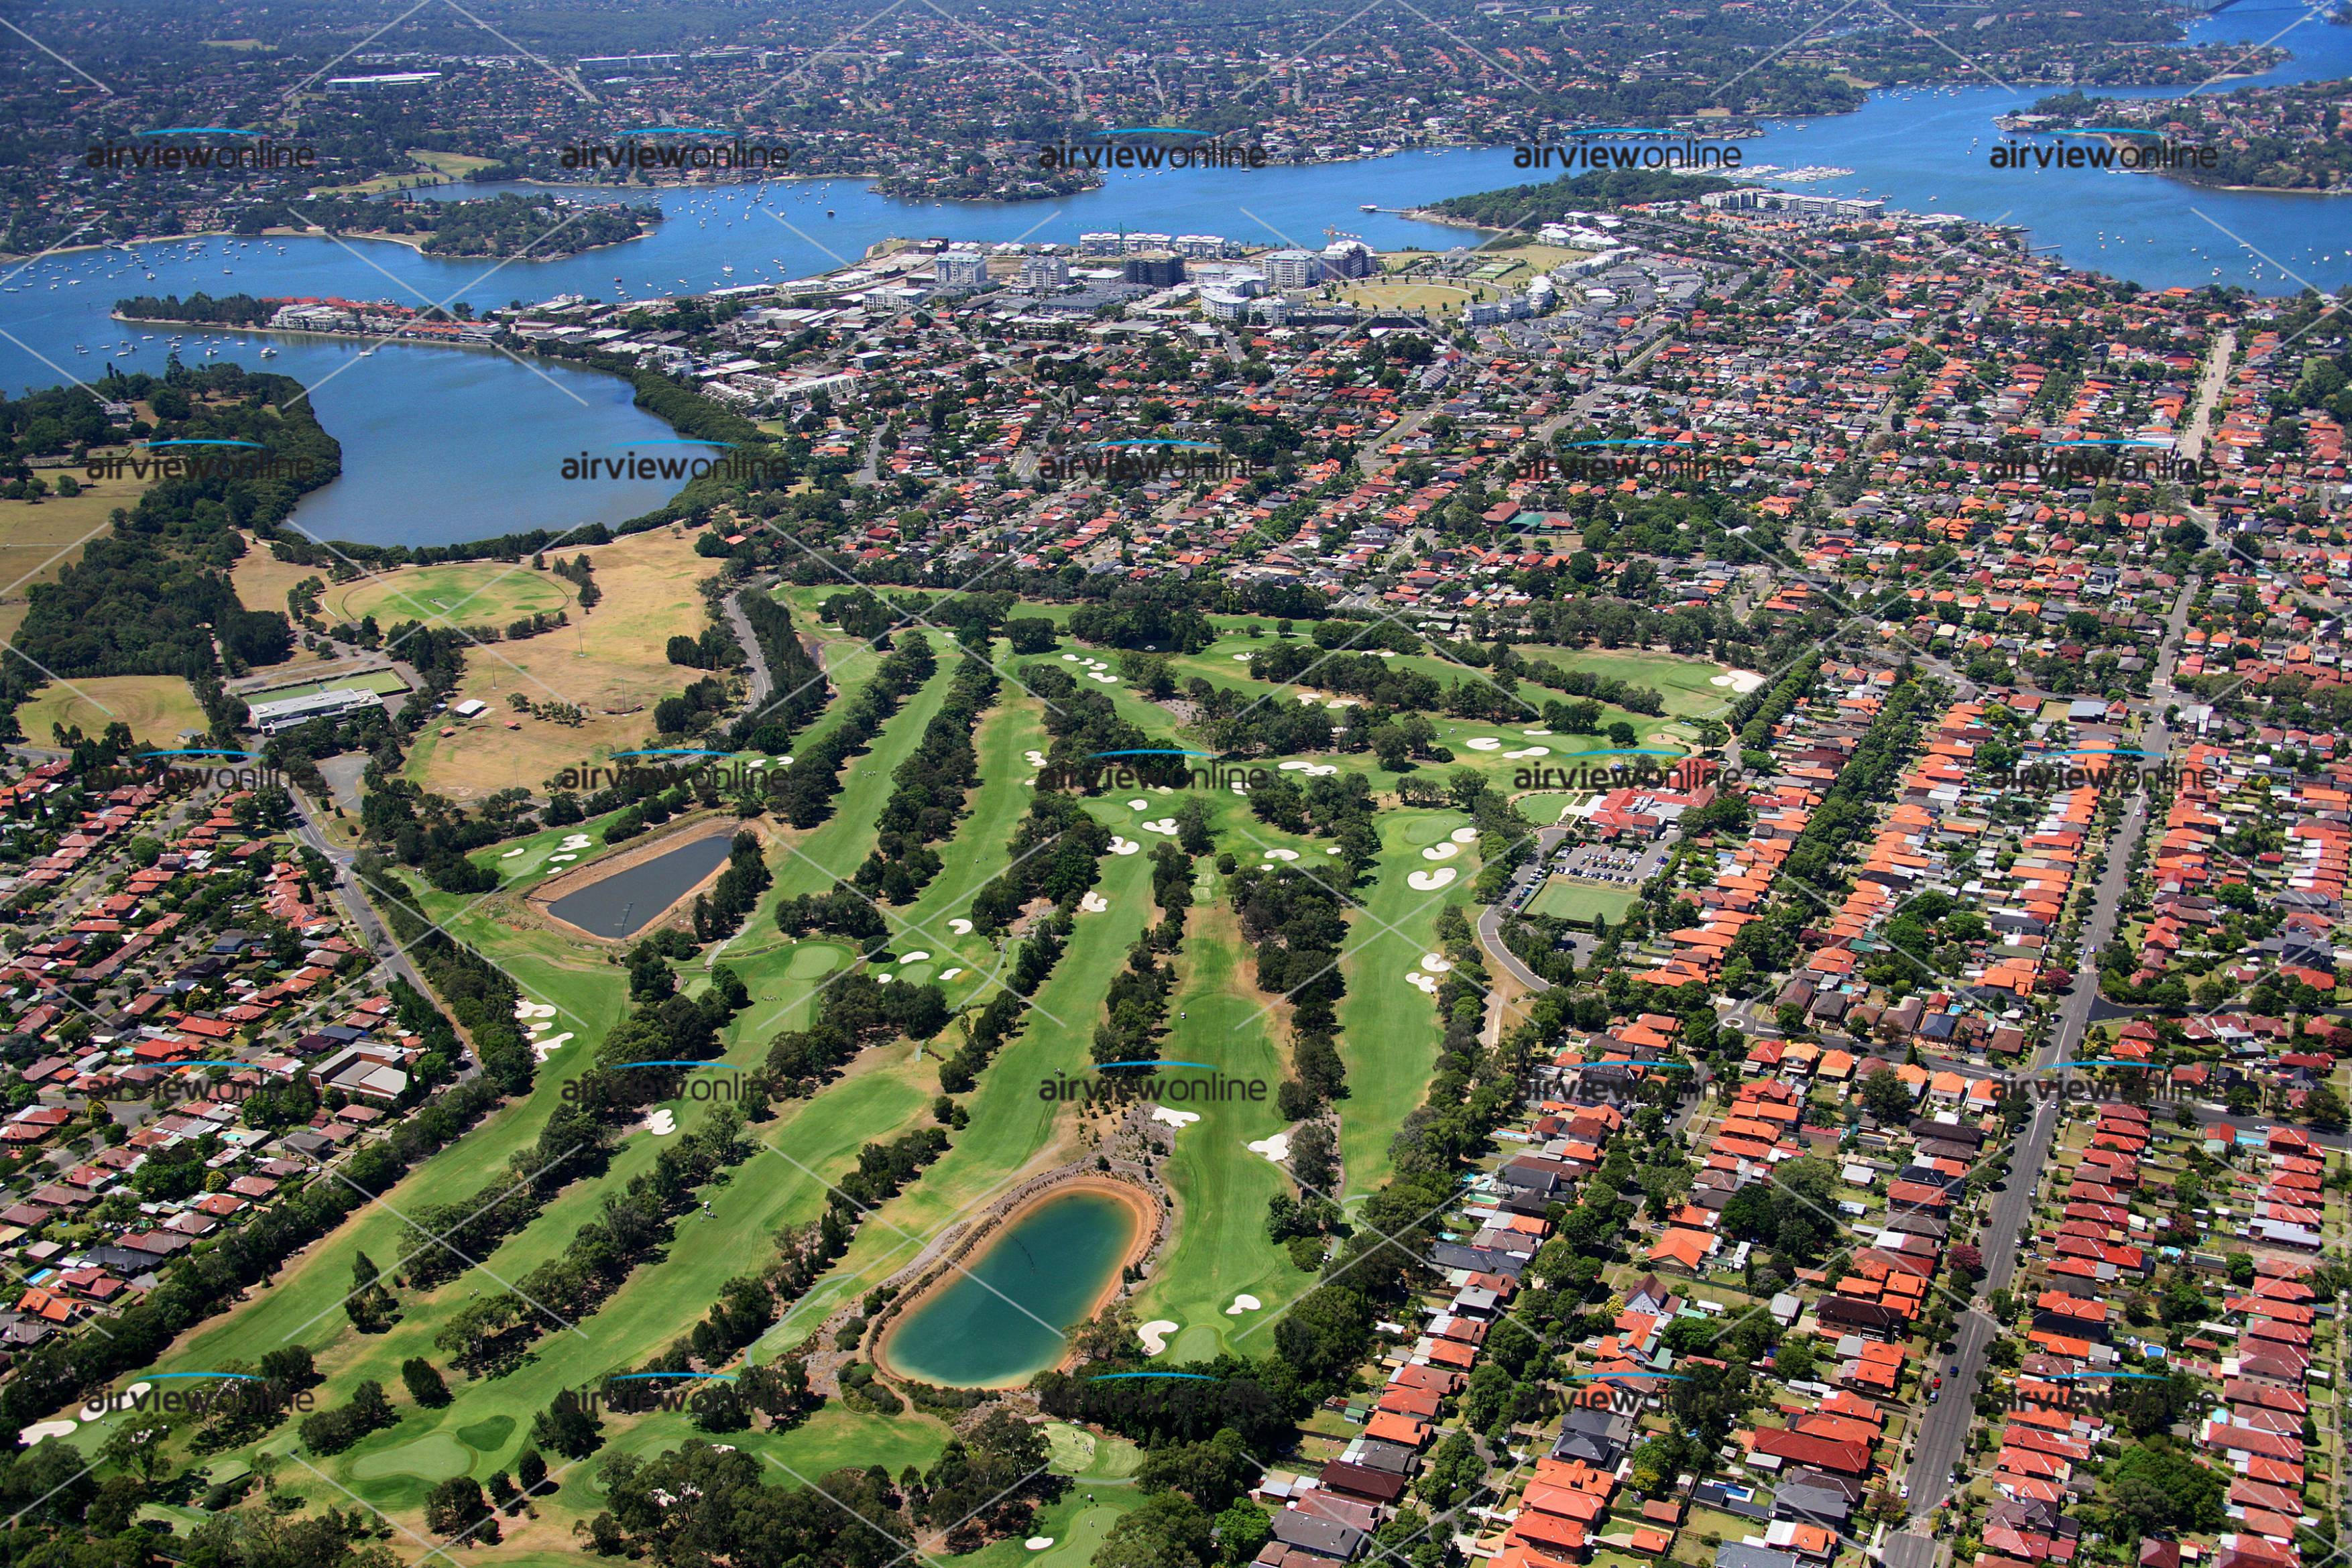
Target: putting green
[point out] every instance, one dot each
(435, 1456)
(488, 1437)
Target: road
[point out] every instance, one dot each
(348, 897)
(1490, 919)
(761, 682)
(1944, 1429)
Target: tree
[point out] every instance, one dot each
(1243, 1530)
(2324, 1108)
(370, 1305)
(424, 1382)
(568, 1425)
(1884, 1094)
(456, 1507)
(1168, 1532)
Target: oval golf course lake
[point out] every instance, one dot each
(627, 902)
(997, 1321)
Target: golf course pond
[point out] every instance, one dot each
(627, 902)
(999, 1317)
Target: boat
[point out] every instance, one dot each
(1367, 206)
(269, 353)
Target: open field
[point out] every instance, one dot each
(38, 539)
(463, 593)
(158, 708)
(611, 663)
(1566, 900)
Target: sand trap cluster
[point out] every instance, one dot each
(1282, 854)
(1244, 1303)
(1163, 825)
(1119, 846)
(1174, 1118)
(1445, 851)
(1094, 903)
(1154, 1334)
(1276, 1148)
(959, 925)
(1436, 963)
(1430, 881)
(659, 1121)
(1036, 757)
(1463, 835)
(1422, 982)
(1484, 743)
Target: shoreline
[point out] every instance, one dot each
(1143, 1205)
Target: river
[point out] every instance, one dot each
(443, 445)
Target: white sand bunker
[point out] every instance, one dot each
(1308, 699)
(527, 1009)
(1294, 766)
(1094, 903)
(1241, 789)
(574, 842)
(1525, 752)
(1445, 851)
(1534, 734)
(1282, 854)
(1384, 652)
(1154, 1334)
(1124, 846)
(56, 1428)
(1276, 1148)
(1463, 835)
(558, 860)
(1038, 1543)
(1139, 805)
(1745, 681)
(1344, 702)
(949, 974)
(1332, 850)
(884, 978)
(1098, 675)
(1244, 1303)
(1177, 1119)
(959, 925)
(917, 956)
(1244, 658)
(511, 853)
(1430, 881)
(1484, 743)
(1072, 659)
(1321, 769)
(1436, 963)
(1097, 665)
(1419, 981)
(1164, 825)
(784, 762)
(659, 1121)
(1036, 757)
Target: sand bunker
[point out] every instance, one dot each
(1276, 1148)
(1244, 658)
(1484, 743)
(527, 1009)
(511, 853)
(1463, 835)
(1094, 903)
(917, 956)
(1154, 1334)
(1527, 752)
(660, 1122)
(1436, 963)
(1282, 854)
(1124, 846)
(1241, 789)
(1534, 734)
(1430, 881)
(40, 1429)
(574, 842)
(949, 974)
(884, 978)
(560, 860)
(959, 925)
(1139, 805)
(1177, 1119)
(1745, 681)
(1098, 675)
(1037, 759)
(1294, 766)
(1071, 659)
(1164, 825)
(1332, 850)
(1322, 769)
(1308, 699)
(1344, 702)
(1445, 851)
(1038, 1543)
(1244, 1303)
(1419, 981)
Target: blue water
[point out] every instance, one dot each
(442, 444)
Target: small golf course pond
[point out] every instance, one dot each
(996, 1320)
(627, 902)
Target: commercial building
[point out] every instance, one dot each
(333, 702)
